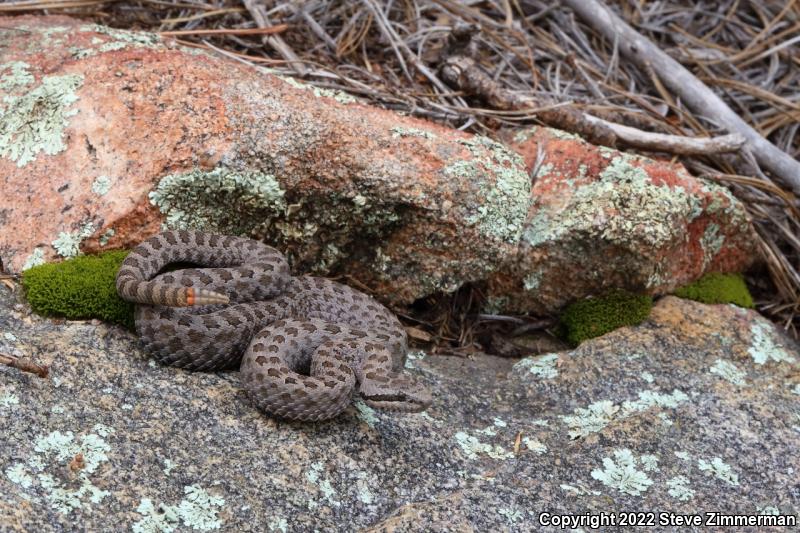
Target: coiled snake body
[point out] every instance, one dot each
(303, 344)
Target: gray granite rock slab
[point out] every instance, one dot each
(696, 410)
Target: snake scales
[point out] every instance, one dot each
(304, 344)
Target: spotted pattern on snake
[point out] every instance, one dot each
(304, 345)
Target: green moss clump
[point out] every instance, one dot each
(79, 288)
(717, 288)
(593, 317)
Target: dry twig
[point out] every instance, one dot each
(24, 364)
(279, 28)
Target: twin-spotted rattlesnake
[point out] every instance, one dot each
(304, 344)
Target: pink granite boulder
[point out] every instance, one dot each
(106, 136)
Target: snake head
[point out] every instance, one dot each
(397, 393)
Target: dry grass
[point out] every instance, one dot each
(390, 52)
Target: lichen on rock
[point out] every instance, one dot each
(622, 474)
(222, 200)
(15, 75)
(504, 202)
(34, 121)
(622, 203)
(67, 244)
(120, 39)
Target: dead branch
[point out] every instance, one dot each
(698, 96)
(464, 74)
(673, 144)
(259, 16)
(24, 364)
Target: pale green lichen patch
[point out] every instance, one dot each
(161, 520)
(34, 121)
(728, 371)
(340, 96)
(314, 476)
(58, 449)
(763, 345)
(534, 445)
(512, 516)
(723, 201)
(599, 414)
(18, 474)
(523, 135)
(665, 419)
(7, 399)
(366, 413)
(649, 463)
(342, 216)
(106, 236)
(678, 487)
(590, 420)
(330, 255)
(412, 356)
(532, 281)
(51, 36)
(622, 202)
(62, 447)
(492, 430)
(35, 259)
(711, 242)
(500, 213)
(720, 470)
(579, 491)
(658, 277)
(648, 399)
(197, 510)
(278, 523)
(473, 448)
(398, 132)
(542, 366)
(14, 76)
(101, 185)
(66, 500)
(363, 492)
(565, 135)
(222, 200)
(621, 473)
(48, 37)
(121, 39)
(68, 244)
